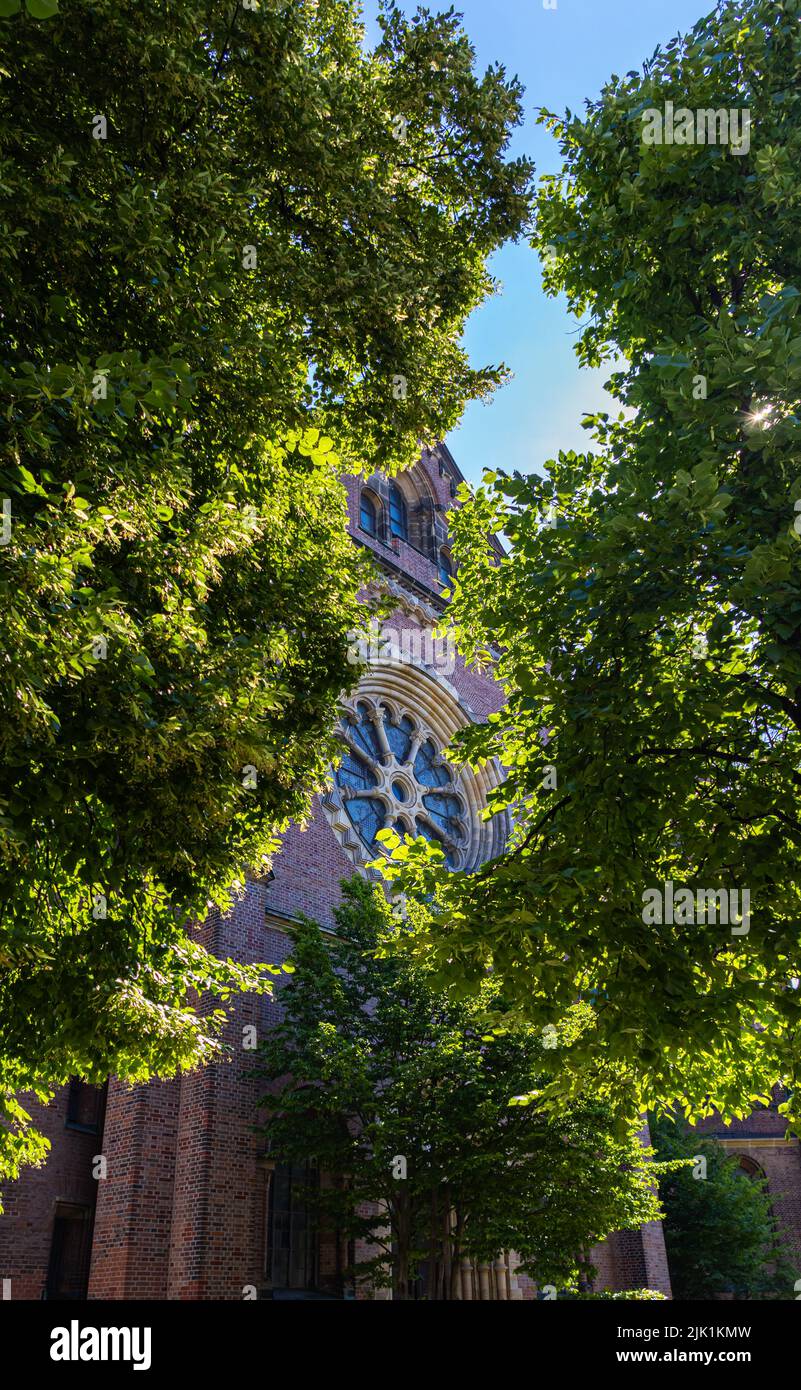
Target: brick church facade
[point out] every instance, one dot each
(162, 1191)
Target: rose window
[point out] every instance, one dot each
(393, 776)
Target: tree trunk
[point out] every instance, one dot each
(400, 1264)
(435, 1274)
(456, 1255)
(447, 1269)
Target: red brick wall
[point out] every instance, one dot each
(133, 1216)
(26, 1226)
(764, 1123)
(308, 872)
(181, 1215)
(219, 1191)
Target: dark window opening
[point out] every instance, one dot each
(445, 568)
(362, 730)
(291, 1261)
(70, 1249)
(354, 772)
(398, 518)
(85, 1106)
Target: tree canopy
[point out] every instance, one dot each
(237, 254)
(647, 623)
(408, 1106)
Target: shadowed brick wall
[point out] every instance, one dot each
(29, 1205)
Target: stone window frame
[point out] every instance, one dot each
(410, 809)
(437, 710)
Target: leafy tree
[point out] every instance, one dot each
(230, 237)
(408, 1106)
(40, 9)
(648, 618)
(719, 1227)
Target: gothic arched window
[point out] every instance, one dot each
(445, 568)
(368, 514)
(398, 516)
(362, 729)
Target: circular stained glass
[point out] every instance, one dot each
(378, 745)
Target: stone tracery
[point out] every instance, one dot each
(393, 773)
(394, 776)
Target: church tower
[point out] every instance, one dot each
(191, 1205)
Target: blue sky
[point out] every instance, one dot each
(561, 56)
